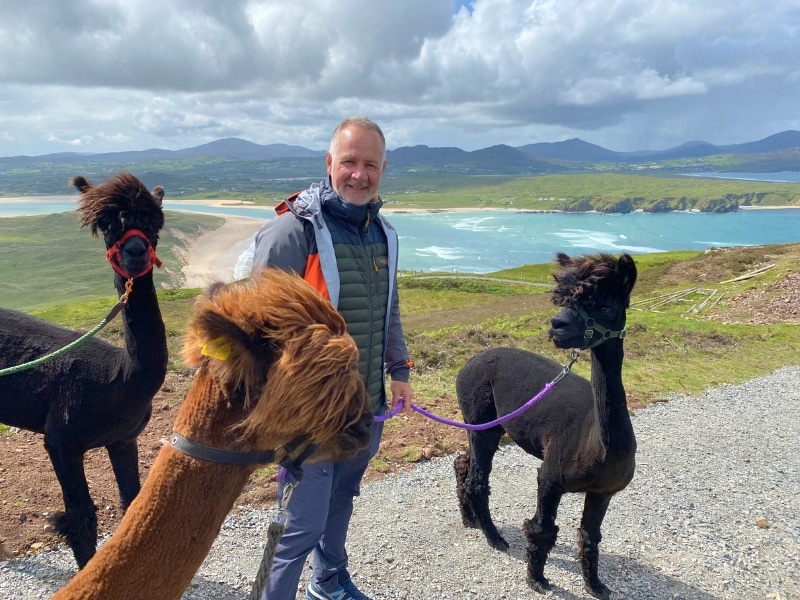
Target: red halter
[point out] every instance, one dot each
(113, 255)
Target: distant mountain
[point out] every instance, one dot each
(696, 149)
(233, 148)
(501, 158)
(577, 150)
(495, 159)
(244, 150)
(415, 156)
(245, 167)
(779, 141)
(574, 149)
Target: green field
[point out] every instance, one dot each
(49, 259)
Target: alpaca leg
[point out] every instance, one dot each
(124, 458)
(541, 532)
(589, 536)
(78, 524)
(475, 489)
(461, 467)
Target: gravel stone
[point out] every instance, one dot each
(713, 512)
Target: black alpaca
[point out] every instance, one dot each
(96, 395)
(581, 431)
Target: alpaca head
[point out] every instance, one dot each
(281, 352)
(594, 292)
(129, 217)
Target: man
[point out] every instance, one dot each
(333, 235)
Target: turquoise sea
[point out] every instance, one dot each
(487, 241)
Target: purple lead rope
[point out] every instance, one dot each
(471, 426)
(481, 426)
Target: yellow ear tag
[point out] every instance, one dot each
(219, 348)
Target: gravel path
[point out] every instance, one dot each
(713, 512)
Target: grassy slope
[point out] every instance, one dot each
(48, 259)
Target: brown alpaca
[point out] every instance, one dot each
(275, 363)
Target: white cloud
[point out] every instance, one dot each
(118, 75)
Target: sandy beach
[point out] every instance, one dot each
(213, 255)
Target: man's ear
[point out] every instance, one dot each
(329, 161)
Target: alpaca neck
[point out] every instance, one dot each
(611, 409)
(169, 529)
(145, 334)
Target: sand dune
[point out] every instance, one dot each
(213, 255)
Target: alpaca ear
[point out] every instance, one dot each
(220, 338)
(81, 183)
(237, 357)
(562, 259)
(158, 194)
(627, 268)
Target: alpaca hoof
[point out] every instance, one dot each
(498, 543)
(80, 534)
(598, 590)
(538, 584)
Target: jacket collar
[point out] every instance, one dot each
(350, 213)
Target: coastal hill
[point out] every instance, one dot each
(234, 166)
(574, 151)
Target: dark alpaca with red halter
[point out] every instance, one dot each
(97, 394)
(581, 430)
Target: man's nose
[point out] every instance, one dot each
(360, 173)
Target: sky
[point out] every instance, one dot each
(114, 75)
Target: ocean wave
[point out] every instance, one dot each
(244, 264)
(712, 244)
(602, 241)
(474, 224)
(441, 252)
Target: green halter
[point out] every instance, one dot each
(593, 326)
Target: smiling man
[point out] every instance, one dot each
(333, 235)
(356, 161)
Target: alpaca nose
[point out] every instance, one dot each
(135, 249)
(559, 321)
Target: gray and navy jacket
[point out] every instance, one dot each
(349, 254)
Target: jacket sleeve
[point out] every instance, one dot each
(282, 243)
(397, 361)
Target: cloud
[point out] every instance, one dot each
(121, 75)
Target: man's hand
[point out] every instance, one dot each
(401, 389)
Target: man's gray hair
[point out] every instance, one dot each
(360, 122)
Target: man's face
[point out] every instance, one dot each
(357, 168)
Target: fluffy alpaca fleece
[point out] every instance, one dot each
(274, 361)
(581, 430)
(97, 394)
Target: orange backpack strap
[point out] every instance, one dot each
(314, 276)
(313, 273)
(283, 206)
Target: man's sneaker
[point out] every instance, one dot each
(344, 592)
(354, 592)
